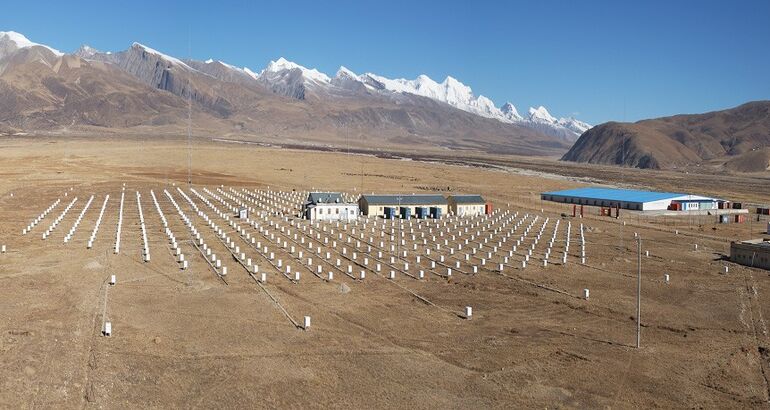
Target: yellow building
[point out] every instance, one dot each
(403, 206)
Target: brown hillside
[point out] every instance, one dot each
(681, 140)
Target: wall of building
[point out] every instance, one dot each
(379, 210)
(698, 205)
(467, 209)
(333, 212)
(750, 255)
(638, 206)
(660, 205)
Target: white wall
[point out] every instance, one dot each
(661, 205)
(334, 212)
(470, 210)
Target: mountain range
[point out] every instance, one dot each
(142, 89)
(736, 139)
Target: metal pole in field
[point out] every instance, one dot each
(398, 239)
(638, 291)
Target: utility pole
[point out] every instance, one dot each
(189, 113)
(398, 238)
(638, 291)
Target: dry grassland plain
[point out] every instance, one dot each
(184, 338)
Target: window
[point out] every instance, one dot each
(338, 211)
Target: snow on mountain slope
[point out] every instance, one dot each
(449, 91)
(510, 112)
(250, 73)
(459, 95)
(575, 125)
(309, 73)
(86, 51)
(161, 55)
(292, 80)
(19, 41)
(540, 114)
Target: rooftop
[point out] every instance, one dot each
(627, 195)
(405, 199)
(324, 197)
(764, 242)
(467, 199)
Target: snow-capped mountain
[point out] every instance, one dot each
(510, 113)
(575, 125)
(293, 80)
(11, 41)
(211, 83)
(86, 51)
(540, 115)
(281, 65)
(453, 92)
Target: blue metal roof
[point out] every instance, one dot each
(613, 194)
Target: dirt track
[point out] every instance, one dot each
(186, 339)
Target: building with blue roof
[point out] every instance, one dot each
(632, 199)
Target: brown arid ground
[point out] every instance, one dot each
(185, 338)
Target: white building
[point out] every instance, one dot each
(467, 205)
(329, 206)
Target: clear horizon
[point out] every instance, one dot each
(597, 62)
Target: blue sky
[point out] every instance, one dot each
(596, 60)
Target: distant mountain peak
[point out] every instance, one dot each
(86, 51)
(541, 114)
(166, 57)
(510, 112)
(344, 71)
(283, 64)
